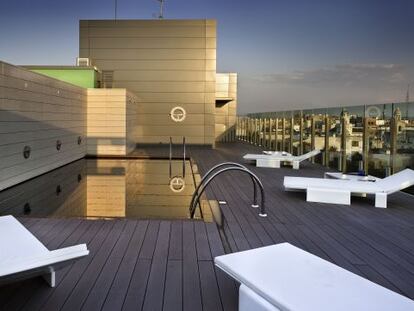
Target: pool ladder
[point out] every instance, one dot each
(214, 172)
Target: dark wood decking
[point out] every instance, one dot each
(168, 265)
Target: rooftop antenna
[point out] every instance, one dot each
(407, 97)
(116, 8)
(161, 14)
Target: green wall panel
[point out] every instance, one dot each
(86, 78)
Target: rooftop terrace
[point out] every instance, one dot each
(168, 265)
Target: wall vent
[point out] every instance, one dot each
(107, 78)
(83, 62)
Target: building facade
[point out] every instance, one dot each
(167, 64)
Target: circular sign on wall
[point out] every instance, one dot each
(373, 112)
(177, 184)
(178, 114)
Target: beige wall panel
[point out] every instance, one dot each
(211, 64)
(178, 98)
(151, 43)
(210, 87)
(210, 98)
(107, 99)
(167, 87)
(209, 119)
(210, 54)
(165, 108)
(147, 54)
(210, 43)
(169, 64)
(103, 130)
(210, 76)
(112, 118)
(151, 32)
(122, 76)
(211, 31)
(147, 23)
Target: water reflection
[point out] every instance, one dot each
(133, 188)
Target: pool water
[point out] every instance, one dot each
(107, 188)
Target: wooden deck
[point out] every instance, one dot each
(168, 265)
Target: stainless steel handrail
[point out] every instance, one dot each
(232, 168)
(210, 171)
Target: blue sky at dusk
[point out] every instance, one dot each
(288, 54)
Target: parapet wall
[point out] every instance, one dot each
(45, 117)
(111, 121)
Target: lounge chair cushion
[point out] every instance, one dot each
(292, 279)
(397, 181)
(349, 185)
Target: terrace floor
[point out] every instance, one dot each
(168, 265)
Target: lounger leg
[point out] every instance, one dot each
(268, 163)
(381, 200)
(50, 278)
(249, 300)
(296, 165)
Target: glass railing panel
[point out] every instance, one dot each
(353, 135)
(335, 134)
(307, 131)
(296, 132)
(287, 132)
(404, 118)
(319, 123)
(378, 122)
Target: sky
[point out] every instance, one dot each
(289, 54)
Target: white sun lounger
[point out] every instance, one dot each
(274, 160)
(23, 256)
(284, 277)
(339, 191)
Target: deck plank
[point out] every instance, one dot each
(155, 288)
(99, 292)
(191, 278)
(119, 288)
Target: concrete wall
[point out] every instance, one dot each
(111, 121)
(36, 111)
(167, 63)
(226, 114)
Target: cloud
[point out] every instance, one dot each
(345, 74)
(333, 86)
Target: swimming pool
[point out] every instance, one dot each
(107, 188)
